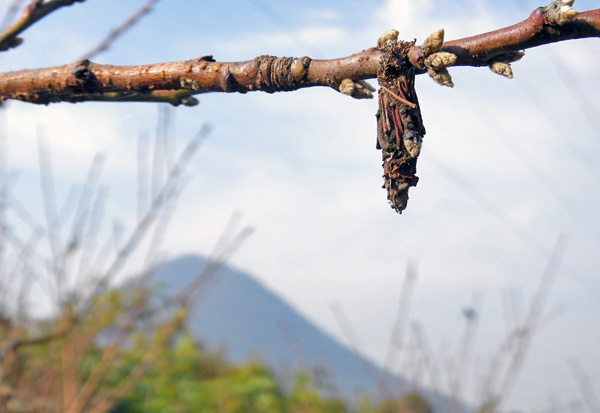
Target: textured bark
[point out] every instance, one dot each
(176, 82)
(172, 81)
(535, 31)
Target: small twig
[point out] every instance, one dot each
(89, 240)
(230, 240)
(143, 168)
(355, 344)
(66, 325)
(429, 360)
(16, 344)
(10, 14)
(51, 215)
(119, 30)
(398, 98)
(460, 374)
(69, 365)
(587, 392)
(172, 327)
(164, 160)
(167, 191)
(397, 334)
(106, 362)
(517, 344)
(36, 10)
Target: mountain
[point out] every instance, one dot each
(236, 313)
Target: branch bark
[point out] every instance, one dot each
(176, 82)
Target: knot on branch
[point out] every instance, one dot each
(400, 127)
(281, 73)
(85, 79)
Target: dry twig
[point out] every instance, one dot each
(121, 29)
(35, 11)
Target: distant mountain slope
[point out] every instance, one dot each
(237, 313)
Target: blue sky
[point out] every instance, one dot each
(506, 167)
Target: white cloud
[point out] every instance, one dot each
(303, 41)
(404, 15)
(67, 130)
(323, 14)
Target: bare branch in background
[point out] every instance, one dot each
(88, 309)
(460, 372)
(121, 29)
(15, 344)
(230, 240)
(396, 343)
(587, 392)
(51, 213)
(35, 11)
(507, 363)
(355, 344)
(11, 12)
(166, 194)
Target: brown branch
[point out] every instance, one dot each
(36, 10)
(67, 323)
(15, 344)
(532, 32)
(176, 82)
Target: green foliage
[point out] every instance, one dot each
(304, 398)
(487, 408)
(110, 357)
(187, 379)
(410, 403)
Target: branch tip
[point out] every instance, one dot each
(35, 11)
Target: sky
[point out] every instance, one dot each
(508, 169)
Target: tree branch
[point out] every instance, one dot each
(66, 324)
(36, 10)
(176, 82)
(535, 31)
